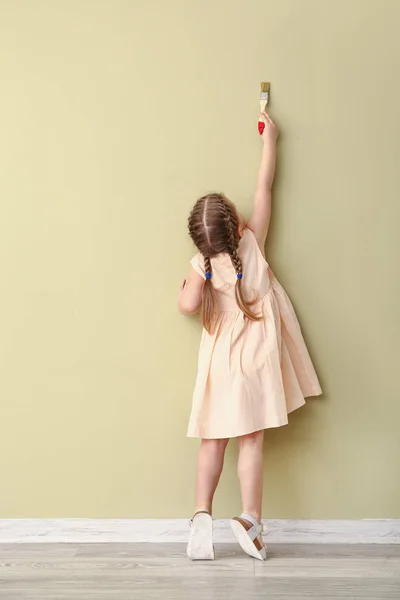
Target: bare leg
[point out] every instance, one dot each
(250, 471)
(209, 468)
(248, 528)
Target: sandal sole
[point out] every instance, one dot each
(245, 542)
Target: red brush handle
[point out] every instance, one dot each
(261, 127)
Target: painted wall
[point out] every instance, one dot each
(114, 117)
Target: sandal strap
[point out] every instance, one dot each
(199, 512)
(257, 529)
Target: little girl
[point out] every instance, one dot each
(254, 367)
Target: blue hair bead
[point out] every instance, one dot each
(208, 275)
(239, 275)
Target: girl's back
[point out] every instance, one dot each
(251, 372)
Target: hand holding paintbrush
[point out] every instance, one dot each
(264, 99)
(270, 131)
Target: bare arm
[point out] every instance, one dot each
(261, 216)
(191, 293)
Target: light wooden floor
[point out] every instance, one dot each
(162, 572)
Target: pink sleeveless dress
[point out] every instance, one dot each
(251, 374)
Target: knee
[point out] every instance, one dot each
(215, 447)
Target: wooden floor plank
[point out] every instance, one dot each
(162, 572)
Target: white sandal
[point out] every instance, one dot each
(246, 530)
(200, 545)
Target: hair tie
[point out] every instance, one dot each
(208, 275)
(239, 275)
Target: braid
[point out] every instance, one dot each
(237, 263)
(230, 220)
(208, 306)
(231, 224)
(207, 265)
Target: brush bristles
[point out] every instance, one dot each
(265, 86)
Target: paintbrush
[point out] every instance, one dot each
(264, 98)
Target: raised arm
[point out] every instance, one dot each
(259, 220)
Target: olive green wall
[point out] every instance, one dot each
(115, 115)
